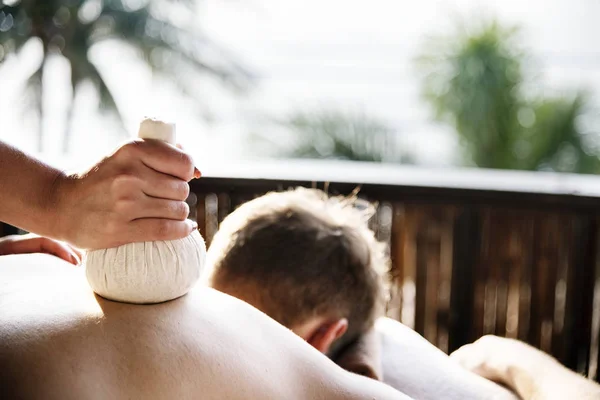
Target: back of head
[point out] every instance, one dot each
(300, 254)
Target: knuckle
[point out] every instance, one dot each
(178, 210)
(124, 207)
(112, 227)
(184, 210)
(125, 184)
(163, 228)
(186, 159)
(183, 190)
(187, 165)
(486, 340)
(129, 150)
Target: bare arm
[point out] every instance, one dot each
(136, 194)
(531, 373)
(419, 369)
(27, 191)
(360, 387)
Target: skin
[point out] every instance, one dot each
(531, 373)
(28, 244)
(391, 352)
(421, 370)
(401, 358)
(136, 194)
(60, 341)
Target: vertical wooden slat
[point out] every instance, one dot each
(564, 256)
(518, 256)
(237, 199)
(385, 216)
(409, 286)
(211, 214)
(525, 278)
(201, 215)
(397, 245)
(481, 274)
(580, 295)
(224, 206)
(421, 275)
(544, 282)
(192, 201)
(537, 278)
(430, 244)
(503, 268)
(467, 235)
(594, 365)
(445, 278)
(494, 254)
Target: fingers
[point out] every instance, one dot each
(151, 229)
(162, 186)
(28, 244)
(160, 157)
(60, 250)
(141, 177)
(161, 208)
(76, 254)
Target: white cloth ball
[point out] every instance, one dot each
(147, 272)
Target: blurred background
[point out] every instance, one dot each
(436, 83)
(422, 105)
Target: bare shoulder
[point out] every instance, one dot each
(62, 341)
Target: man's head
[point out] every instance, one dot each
(307, 260)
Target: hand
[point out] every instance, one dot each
(137, 194)
(27, 244)
(499, 359)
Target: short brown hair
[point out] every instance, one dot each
(300, 253)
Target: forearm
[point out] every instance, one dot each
(547, 379)
(27, 192)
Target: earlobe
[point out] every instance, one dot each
(327, 333)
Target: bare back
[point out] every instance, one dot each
(60, 341)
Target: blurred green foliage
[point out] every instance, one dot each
(476, 81)
(334, 134)
(163, 32)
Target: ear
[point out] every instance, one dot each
(327, 333)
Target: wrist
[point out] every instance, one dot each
(55, 206)
(520, 381)
(524, 377)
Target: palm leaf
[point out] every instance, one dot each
(67, 27)
(332, 134)
(475, 82)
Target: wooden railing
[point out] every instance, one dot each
(473, 252)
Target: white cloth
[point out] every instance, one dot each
(147, 272)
